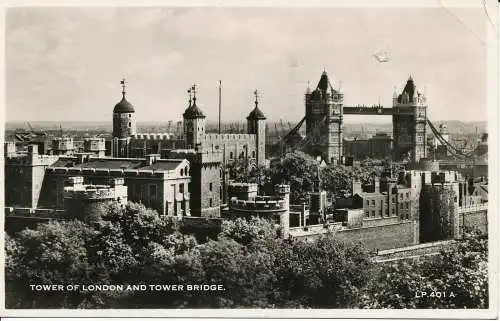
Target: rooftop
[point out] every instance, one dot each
(120, 163)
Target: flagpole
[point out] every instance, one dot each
(220, 85)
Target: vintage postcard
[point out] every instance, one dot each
(221, 159)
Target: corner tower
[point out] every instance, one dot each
(124, 125)
(409, 124)
(194, 122)
(256, 125)
(324, 120)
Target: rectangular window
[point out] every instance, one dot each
(152, 190)
(210, 202)
(387, 212)
(373, 213)
(407, 195)
(367, 213)
(373, 202)
(393, 211)
(394, 199)
(367, 202)
(181, 188)
(129, 125)
(400, 196)
(210, 187)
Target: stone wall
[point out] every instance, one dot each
(380, 237)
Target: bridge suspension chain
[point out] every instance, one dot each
(450, 148)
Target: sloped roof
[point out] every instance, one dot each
(193, 112)
(256, 113)
(124, 106)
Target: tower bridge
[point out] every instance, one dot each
(324, 119)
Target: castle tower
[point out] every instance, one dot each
(194, 122)
(124, 125)
(256, 125)
(409, 124)
(324, 120)
(284, 220)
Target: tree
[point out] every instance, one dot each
(325, 273)
(297, 170)
(455, 279)
(247, 231)
(53, 254)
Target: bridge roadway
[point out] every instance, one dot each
(366, 110)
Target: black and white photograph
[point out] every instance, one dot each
(306, 160)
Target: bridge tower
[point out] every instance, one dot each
(324, 121)
(409, 124)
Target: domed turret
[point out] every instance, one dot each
(124, 106)
(194, 122)
(123, 116)
(256, 125)
(193, 111)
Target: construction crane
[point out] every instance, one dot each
(38, 133)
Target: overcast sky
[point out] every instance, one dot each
(66, 64)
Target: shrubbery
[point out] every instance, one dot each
(135, 245)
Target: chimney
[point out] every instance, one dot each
(33, 149)
(151, 159)
(376, 183)
(356, 187)
(80, 158)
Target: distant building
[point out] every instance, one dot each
(248, 147)
(38, 181)
(377, 147)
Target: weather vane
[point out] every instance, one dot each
(193, 91)
(189, 93)
(256, 94)
(123, 82)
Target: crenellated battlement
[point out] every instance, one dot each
(194, 156)
(244, 138)
(107, 172)
(243, 187)
(153, 136)
(78, 191)
(260, 204)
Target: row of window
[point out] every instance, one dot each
(184, 171)
(242, 155)
(373, 213)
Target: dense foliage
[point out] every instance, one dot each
(458, 278)
(300, 171)
(136, 246)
